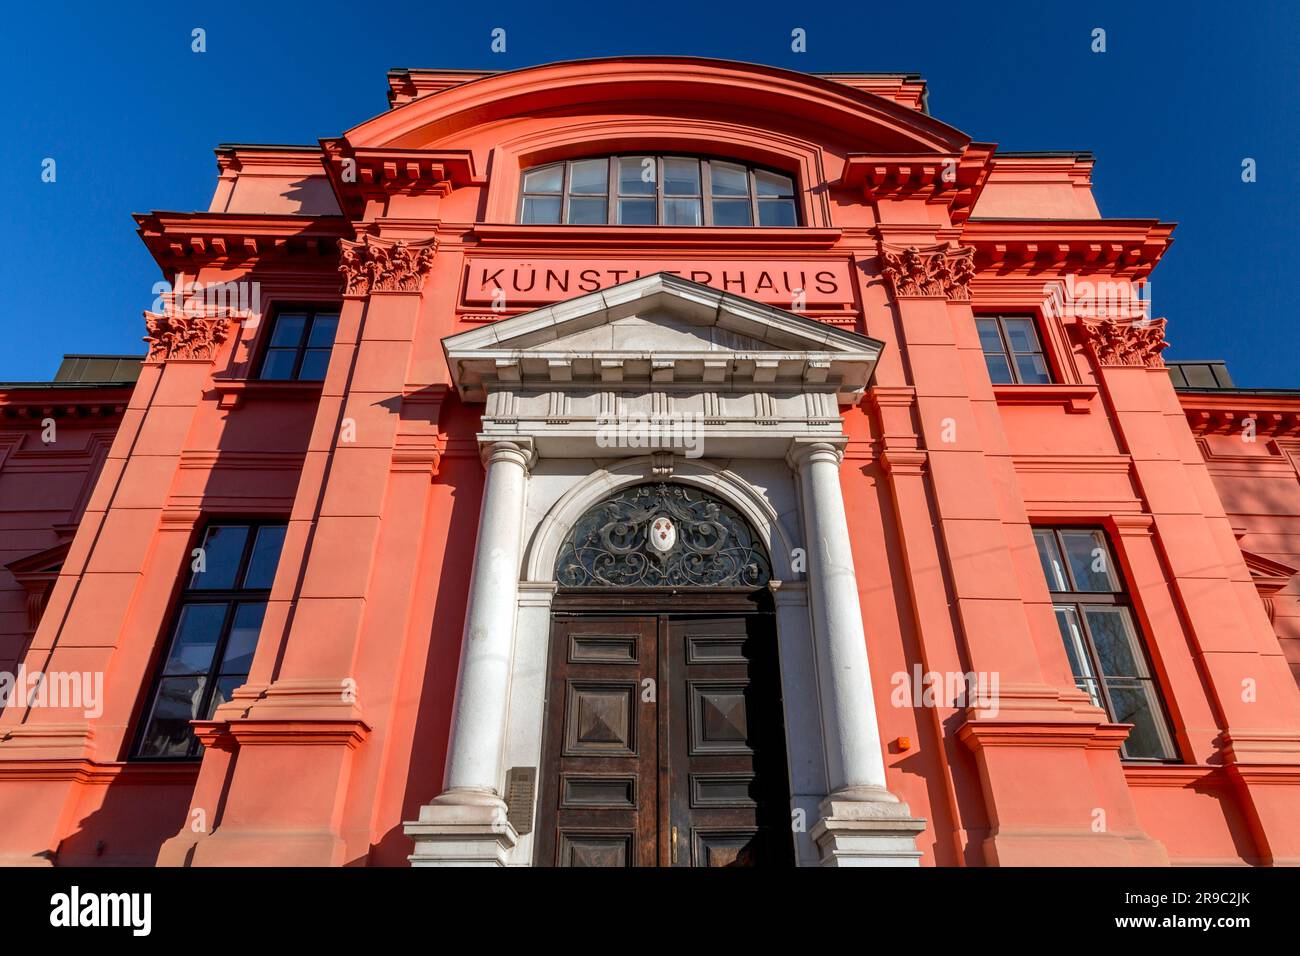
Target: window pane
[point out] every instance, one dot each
(681, 177)
(1135, 704)
(197, 632)
(1090, 563)
(587, 211)
(542, 210)
(777, 212)
(545, 179)
(990, 340)
(225, 687)
(636, 212)
(1020, 335)
(770, 184)
(1067, 619)
(266, 555)
(681, 212)
(1050, 558)
(1032, 370)
(278, 364)
(636, 176)
(1112, 636)
(288, 329)
(729, 180)
(589, 176)
(222, 546)
(322, 332)
(999, 370)
(731, 212)
(243, 639)
(168, 732)
(315, 363)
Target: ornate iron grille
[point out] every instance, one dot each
(662, 535)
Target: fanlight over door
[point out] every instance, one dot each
(662, 535)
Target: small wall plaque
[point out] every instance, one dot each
(521, 785)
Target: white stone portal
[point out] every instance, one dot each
(664, 379)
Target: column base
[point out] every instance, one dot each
(461, 834)
(867, 833)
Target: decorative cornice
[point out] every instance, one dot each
(1225, 412)
(939, 270)
(952, 179)
(1026, 247)
(179, 336)
(380, 265)
(361, 174)
(182, 241)
(1135, 344)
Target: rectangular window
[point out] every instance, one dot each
(299, 344)
(1100, 637)
(214, 633)
(1012, 351)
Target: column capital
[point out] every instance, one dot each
(522, 451)
(942, 271)
(805, 450)
(178, 336)
(372, 265)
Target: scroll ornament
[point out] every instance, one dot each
(935, 270)
(377, 265)
(180, 335)
(1126, 343)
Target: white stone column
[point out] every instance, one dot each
(466, 824)
(862, 822)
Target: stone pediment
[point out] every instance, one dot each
(661, 331)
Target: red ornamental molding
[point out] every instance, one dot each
(180, 336)
(940, 270)
(1126, 343)
(377, 265)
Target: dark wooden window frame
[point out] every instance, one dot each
(1079, 600)
(999, 319)
(312, 309)
(705, 196)
(231, 597)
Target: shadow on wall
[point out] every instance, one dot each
(138, 809)
(418, 763)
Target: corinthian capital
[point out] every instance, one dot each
(1126, 343)
(180, 335)
(381, 265)
(940, 270)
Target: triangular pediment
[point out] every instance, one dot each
(1267, 574)
(660, 330)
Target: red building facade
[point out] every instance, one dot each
(649, 461)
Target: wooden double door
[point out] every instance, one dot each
(664, 741)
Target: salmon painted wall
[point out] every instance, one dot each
(52, 446)
(943, 477)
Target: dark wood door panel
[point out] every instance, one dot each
(664, 742)
(729, 786)
(599, 791)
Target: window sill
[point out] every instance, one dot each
(681, 237)
(231, 391)
(1076, 399)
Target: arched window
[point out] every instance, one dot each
(662, 535)
(656, 190)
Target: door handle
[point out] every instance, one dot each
(674, 844)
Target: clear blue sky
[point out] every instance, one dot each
(1184, 92)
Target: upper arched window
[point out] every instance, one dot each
(656, 190)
